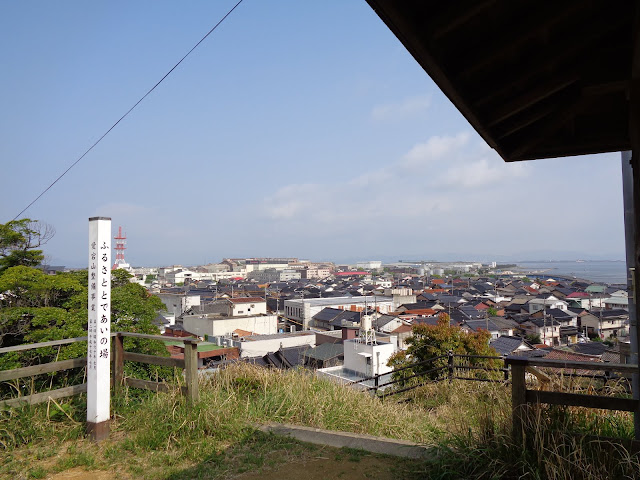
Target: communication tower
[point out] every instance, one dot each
(121, 241)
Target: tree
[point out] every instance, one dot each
(431, 341)
(20, 241)
(492, 312)
(534, 338)
(120, 277)
(35, 307)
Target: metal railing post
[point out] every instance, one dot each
(506, 368)
(450, 365)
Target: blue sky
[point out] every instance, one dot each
(296, 129)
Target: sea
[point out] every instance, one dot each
(599, 271)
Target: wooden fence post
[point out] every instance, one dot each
(518, 399)
(191, 369)
(450, 365)
(118, 362)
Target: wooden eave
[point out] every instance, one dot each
(536, 79)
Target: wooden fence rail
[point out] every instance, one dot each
(189, 363)
(521, 397)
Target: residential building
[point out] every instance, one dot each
(301, 311)
(216, 325)
(370, 265)
(259, 345)
(606, 323)
(178, 302)
(537, 304)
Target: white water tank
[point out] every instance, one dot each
(365, 323)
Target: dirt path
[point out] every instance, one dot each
(324, 468)
(78, 473)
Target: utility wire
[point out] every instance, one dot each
(129, 111)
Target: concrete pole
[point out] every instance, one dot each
(99, 329)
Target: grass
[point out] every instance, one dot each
(160, 436)
(560, 442)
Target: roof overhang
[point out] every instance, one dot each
(535, 79)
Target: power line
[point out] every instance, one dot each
(129, 111)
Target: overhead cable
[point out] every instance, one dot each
(128, 111)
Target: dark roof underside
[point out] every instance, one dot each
(536, 79)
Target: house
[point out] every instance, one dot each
(510, 345)
(537, 304)
(606, 323)
(585, 300)
(496, 326)
(387, 323)
(248, 313)
(324, 355)
(258, 345)
(178, 302)
(302, 310)
(547, 329)
(616, 302)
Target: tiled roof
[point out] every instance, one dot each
(242, 333)
(426, 312)
(578, 295)
(247, 300)
(402, 329)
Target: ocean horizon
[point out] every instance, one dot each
(600, 271)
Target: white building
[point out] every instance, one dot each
(260, 345)
(364, 357)
(367, 359)
(616, 301)
(216, 325)
(537, 304)
(370, 265)
(180, 275)
(178, 303)
(301, 311)
(247, 306)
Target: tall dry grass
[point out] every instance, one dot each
(467, 423)
(560, 442)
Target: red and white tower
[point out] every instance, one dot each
(121, 241)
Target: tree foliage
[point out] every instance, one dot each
(431, 341)
(36, 307)
(20, 241)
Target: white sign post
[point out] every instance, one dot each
(99, 329)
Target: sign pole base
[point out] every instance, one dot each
(98, 431)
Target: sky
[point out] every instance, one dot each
(301, 129)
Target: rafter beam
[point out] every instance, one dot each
(542, 130)
(519, 35)
(457, 19)
(548, 61)
(541, 92)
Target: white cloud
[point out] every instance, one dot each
(436, 148)
(482, 172)
(406, 108)
(431, 184)
(292, 200)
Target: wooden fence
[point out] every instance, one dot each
(189, 363)
(522, 397)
